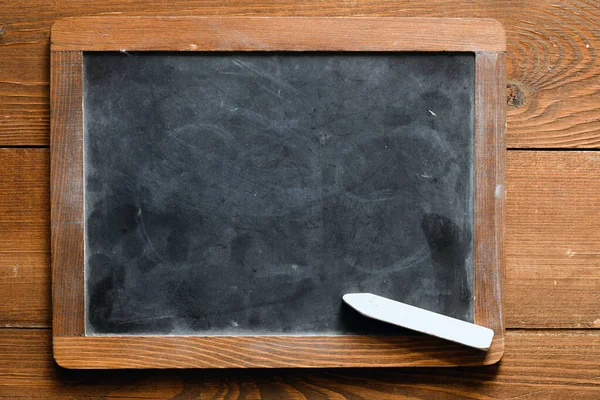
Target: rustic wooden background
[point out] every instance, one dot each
(552, 289)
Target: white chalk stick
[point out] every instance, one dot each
(417, 319)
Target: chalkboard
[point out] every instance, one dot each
(245, 193)
(219, 182)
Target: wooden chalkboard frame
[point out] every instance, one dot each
(71, 37)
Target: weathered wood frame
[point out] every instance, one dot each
(71, 37)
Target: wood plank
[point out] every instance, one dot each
(66, 188)
(553, 240)
(490, 162)
(552, 63)
(24, 197)
(24, 289)
(24, 83)
(552, 235)
(111, 352)
(24, 238)
(24, 113)
(537, 364)
(217, 33)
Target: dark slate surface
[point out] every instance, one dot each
(246, 193)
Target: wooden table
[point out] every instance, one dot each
(552, 289)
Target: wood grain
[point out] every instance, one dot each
(24, 83)
(536, 365)
(553, 102)
(553, 239)
(66, 190)
(116, 33)
(552, 62)
(24, 289)
(107, 352)
(24, 238)
(490, 166)
(24, 200)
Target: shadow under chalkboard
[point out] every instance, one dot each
(245, 193)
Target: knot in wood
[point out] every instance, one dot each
(515, 96)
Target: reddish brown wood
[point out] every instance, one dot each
(551, 240)
(489, 191)
(24, 201)
(277, 33)
(66, 193)
(552, 218)
(537, 365)
(24, 289)
(24, 238)
(265, 352)
(552, 56)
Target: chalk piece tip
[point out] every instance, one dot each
(350, 298)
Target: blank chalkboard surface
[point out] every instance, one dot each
(219, 183)
(237, 193)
